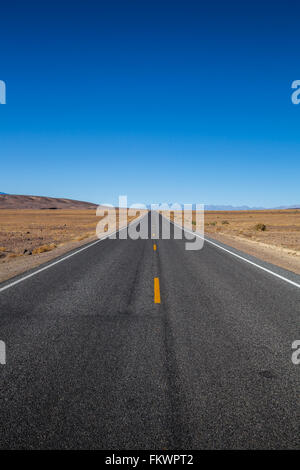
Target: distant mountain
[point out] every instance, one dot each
(246, 208)
(231, 208)
(209, 207)
(13, 201)
(296, 206)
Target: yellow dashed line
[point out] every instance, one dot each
(156, 291)
(154, 247)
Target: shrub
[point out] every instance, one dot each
(225, 222)
(44, 248)
(14, 255)
(82, 237)
(260, 227)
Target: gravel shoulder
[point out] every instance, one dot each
(270, 235)
(282, 257)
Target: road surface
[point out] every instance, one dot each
(95, 361)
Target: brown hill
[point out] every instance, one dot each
(13, 201)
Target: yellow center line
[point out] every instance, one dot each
(154, 247)
(156, 291)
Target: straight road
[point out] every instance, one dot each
(144, 345)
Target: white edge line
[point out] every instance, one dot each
(68, 256)
(237, 256)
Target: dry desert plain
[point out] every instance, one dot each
(270, 235)
(29, 237)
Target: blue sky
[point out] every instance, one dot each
(163, 101)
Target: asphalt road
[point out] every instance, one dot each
(94, 362)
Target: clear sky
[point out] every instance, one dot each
(185, 101)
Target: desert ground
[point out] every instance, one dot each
(271, 235)
(29, 237)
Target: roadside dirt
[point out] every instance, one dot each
(271, 235)
(29, 238)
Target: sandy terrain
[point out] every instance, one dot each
(31, 237)
(271, 235)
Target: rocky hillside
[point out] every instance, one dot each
(13, 201)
